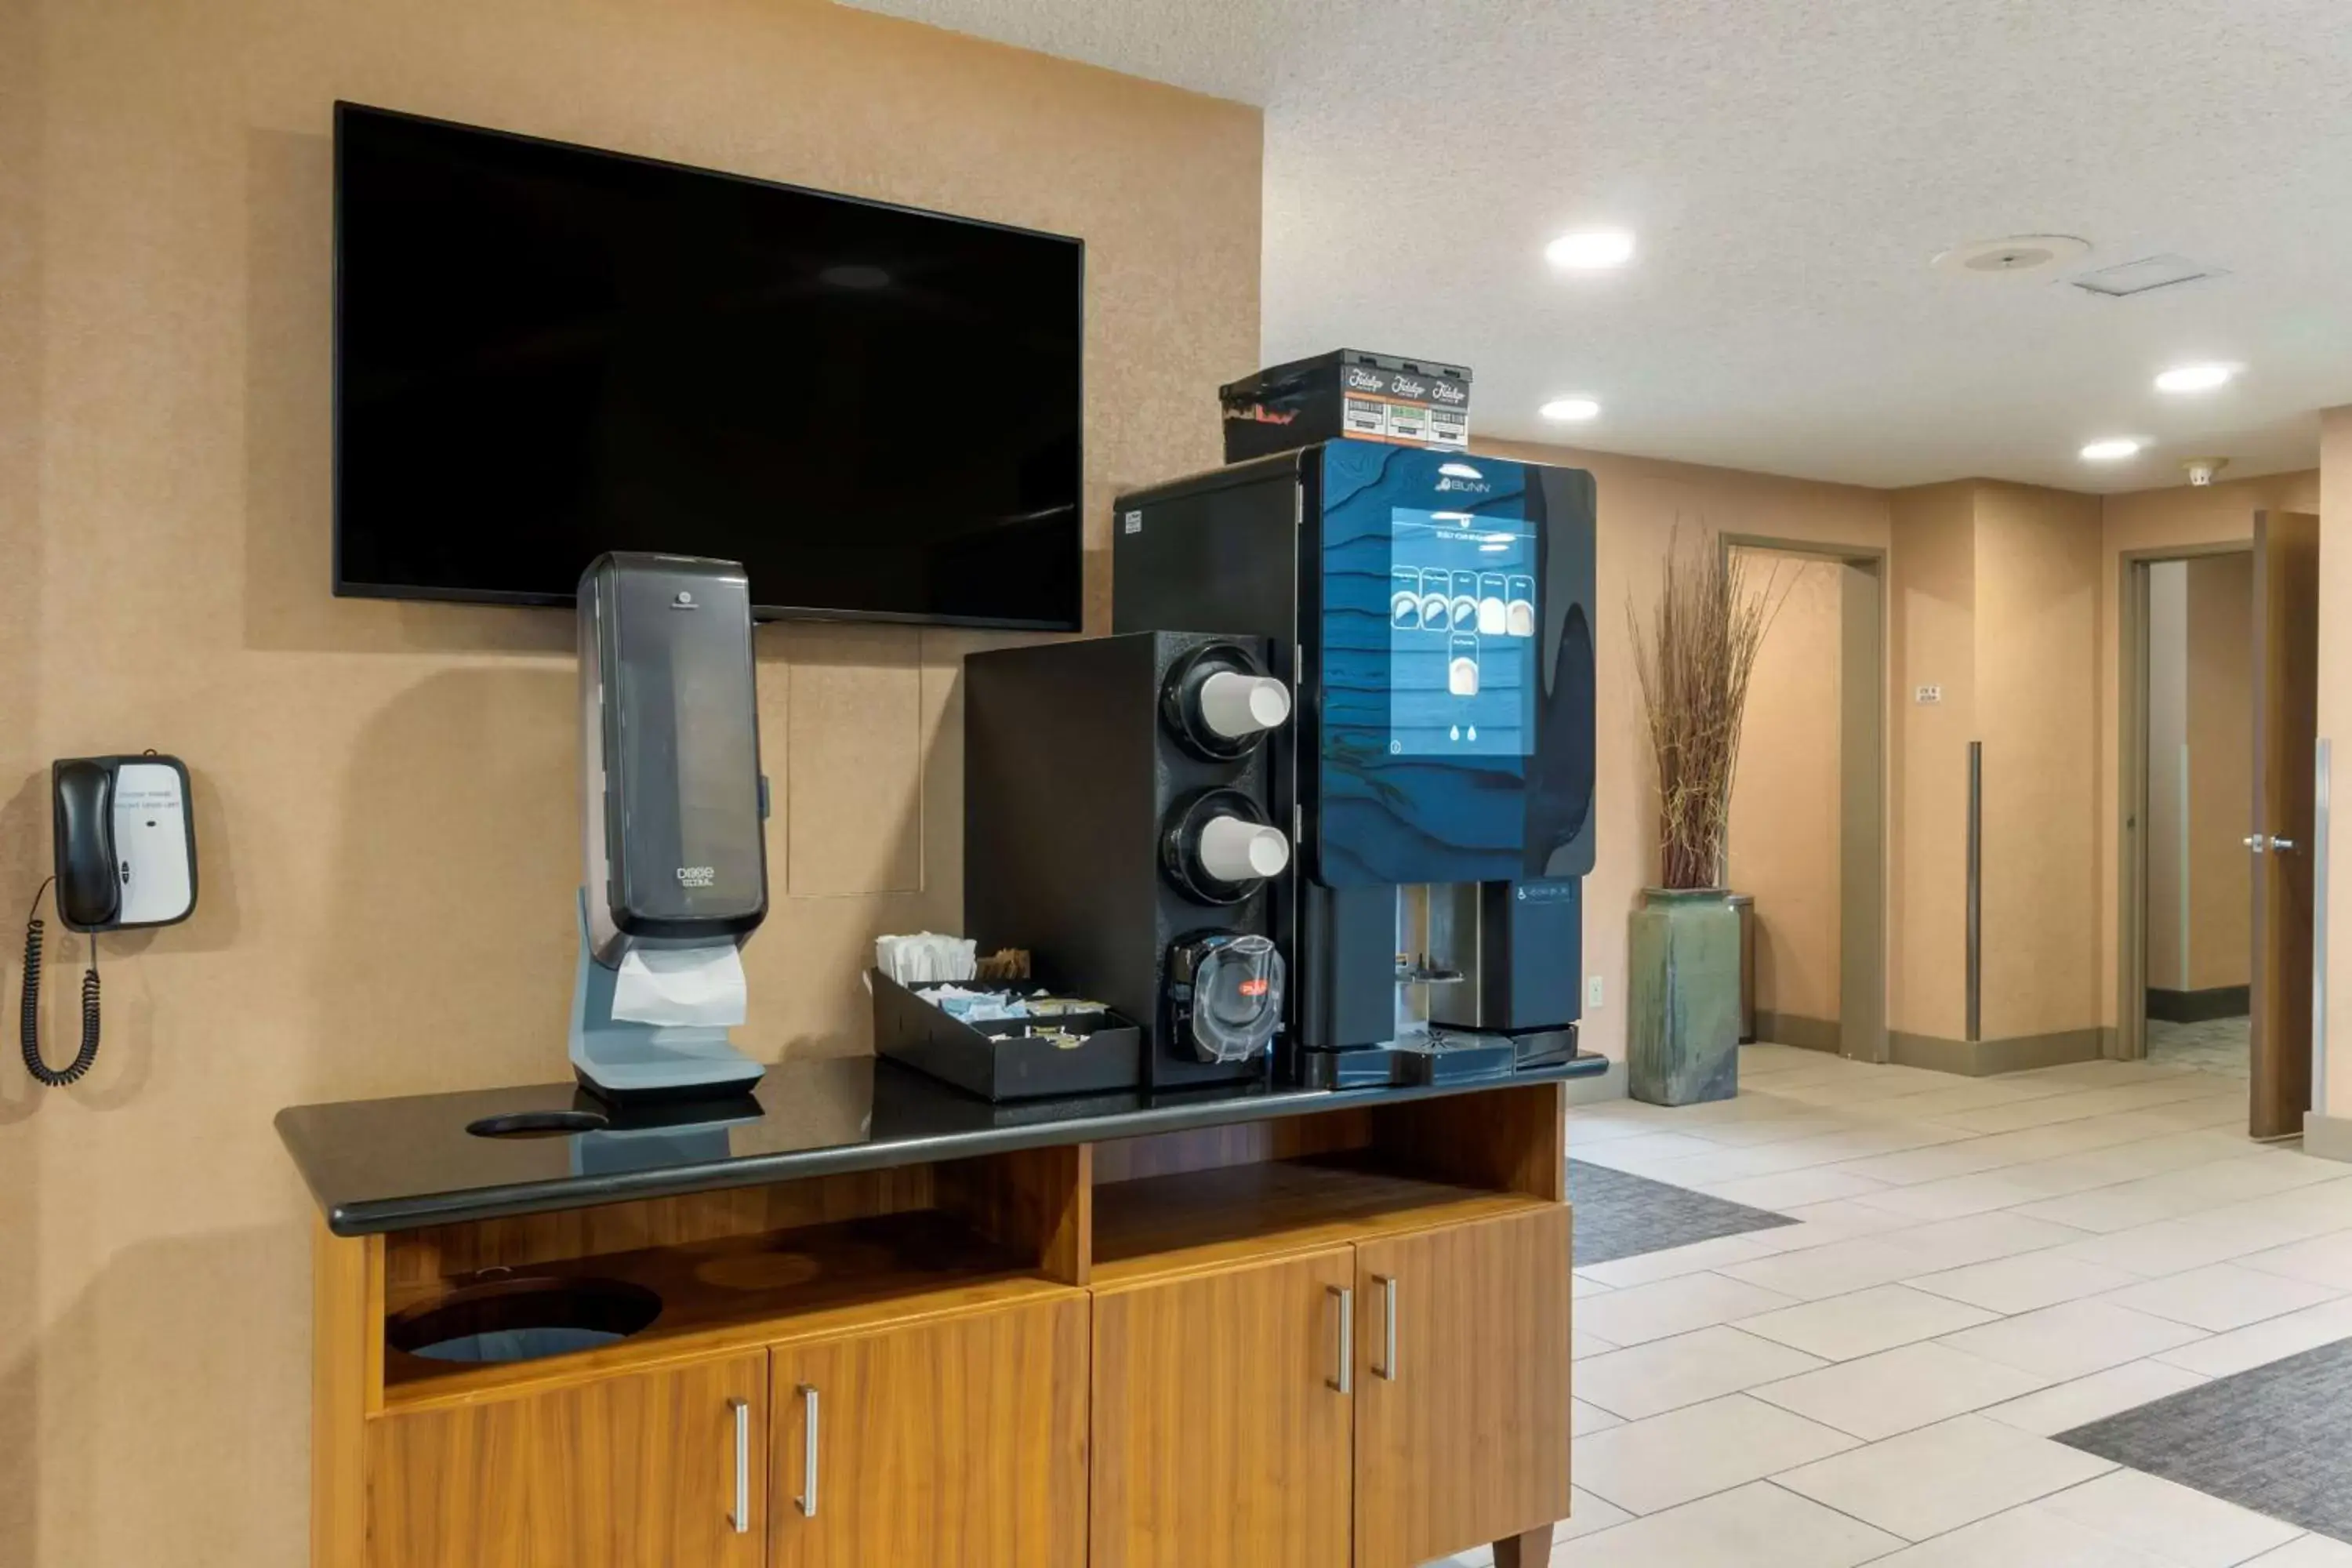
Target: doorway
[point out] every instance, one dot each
(1807, 836)
(2219, 709)
(2198, 896)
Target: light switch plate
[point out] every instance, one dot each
(1592, 990)
(1928, 696)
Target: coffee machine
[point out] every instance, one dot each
(1432, 612)
(1119, 825)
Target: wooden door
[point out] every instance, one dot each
(2286, 721)
(956, 1443)
(636, 1471)
(1461, 1387)
(1223, 1433)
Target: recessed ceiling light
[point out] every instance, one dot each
(1566, 410)
(2112, 449)
(2195, 377)
(1591, 250)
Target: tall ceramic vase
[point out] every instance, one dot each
(1683, 998)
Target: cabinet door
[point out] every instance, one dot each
(958, 1443)
(633, 1471)
(1461, 1387)
(1223, 1430)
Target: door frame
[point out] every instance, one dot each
(2132, 775)
(1862, 697)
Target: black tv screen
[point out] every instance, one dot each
(545, 351)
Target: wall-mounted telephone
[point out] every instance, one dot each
(125, 847)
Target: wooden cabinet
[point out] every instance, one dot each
(1226, 1435)
(1462, 1419)
(1223, 1433)
(636, 1471)
(1339, 1339)
(960, 1441)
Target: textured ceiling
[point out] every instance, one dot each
(1790, 166)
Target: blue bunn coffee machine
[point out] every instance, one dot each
(1433, 612)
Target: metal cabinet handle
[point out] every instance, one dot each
(806, 1501)
(2282, 845)
(1387, 1370)
(1345, 1382)
(741, 1518)
(2259, 842)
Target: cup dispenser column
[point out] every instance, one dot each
(1119, 822)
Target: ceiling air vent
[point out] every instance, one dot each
(2144, 276)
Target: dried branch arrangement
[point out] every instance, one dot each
(1694, 662)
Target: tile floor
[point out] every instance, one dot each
(1977, 1264)
(2217, 1046)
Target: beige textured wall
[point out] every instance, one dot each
(1641, 503)
(2175, 518)
(2036, 710)
(2333, 494)
(1996, 602)
(1785, 821)
(385, 793)
(1932, 638)
(2220, 691)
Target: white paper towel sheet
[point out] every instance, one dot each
(688, 986)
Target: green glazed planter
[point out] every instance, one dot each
(1684, 1047)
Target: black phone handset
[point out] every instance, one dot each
(88, 897)
(126, 857)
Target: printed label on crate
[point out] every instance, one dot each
(1404, 385)
(1365, 416)
(1448, 428)
(1403, 409)
(1409, 421)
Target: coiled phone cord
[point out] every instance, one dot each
(30, 1031)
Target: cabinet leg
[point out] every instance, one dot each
(1532, 1550)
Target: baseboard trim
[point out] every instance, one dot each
(2200, 1006)
(1796, 1029)
(1982, 1058)
(2327, 1137)
(1607, 1086)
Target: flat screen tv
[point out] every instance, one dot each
(544, 351)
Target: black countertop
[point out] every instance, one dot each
(395, 1164)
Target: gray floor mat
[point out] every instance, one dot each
(2271, 1440)
(1622, 1215)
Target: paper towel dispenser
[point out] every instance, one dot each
(673, 808)
(670, 752)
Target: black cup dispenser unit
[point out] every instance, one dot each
(1432, 612)
(1120, 824)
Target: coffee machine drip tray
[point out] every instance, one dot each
(1445, 1055)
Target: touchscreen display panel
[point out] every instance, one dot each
(1462, 634)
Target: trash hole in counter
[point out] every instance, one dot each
(523, 1320)
(538, 1124)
